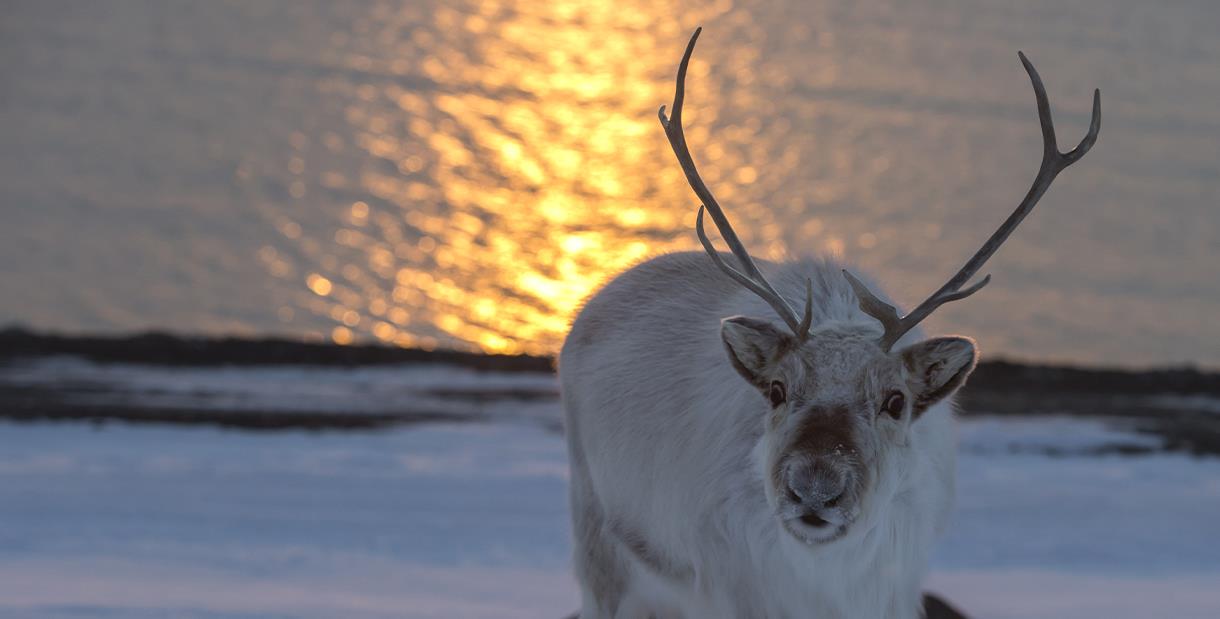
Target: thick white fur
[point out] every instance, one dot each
(668, 447)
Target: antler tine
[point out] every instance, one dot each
(742, 279)
(800, 329)
(752, 279)
(1053, 162)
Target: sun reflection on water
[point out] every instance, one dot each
(511, 162)
(461, 173)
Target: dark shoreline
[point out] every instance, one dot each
(1155, 401)
(156, 348)
(165, 349)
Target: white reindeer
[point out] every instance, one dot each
(814, 487)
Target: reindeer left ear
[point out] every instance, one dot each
(937, 367)
(753, 345)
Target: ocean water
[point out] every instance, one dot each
(464, 173)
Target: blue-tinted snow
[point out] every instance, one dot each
(470, 521)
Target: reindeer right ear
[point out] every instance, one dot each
(937, 367)
(754, 345)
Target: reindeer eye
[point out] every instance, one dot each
(895, 402)
(777, 393)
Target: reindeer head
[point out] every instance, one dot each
(840, 414)
(842, 403)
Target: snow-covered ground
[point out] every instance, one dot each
(439, 521)
(1056, 518)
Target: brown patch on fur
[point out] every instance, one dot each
(824, 431)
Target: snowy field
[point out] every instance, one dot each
(467, 519)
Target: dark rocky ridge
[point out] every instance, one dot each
(173, 350)
(1155, 401)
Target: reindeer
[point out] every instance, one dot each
(728, 464)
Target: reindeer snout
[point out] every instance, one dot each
(819, 487)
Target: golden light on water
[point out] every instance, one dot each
(461, 173)
(513, 162)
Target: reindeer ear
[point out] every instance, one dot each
(754, 345)
(937, 367)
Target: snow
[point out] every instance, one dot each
(1047, 527)
(440, 521)
(1056, 517)
(1050, 593)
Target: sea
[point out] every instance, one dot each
(462, 174)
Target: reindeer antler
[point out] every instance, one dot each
(752, 279)
(1053, 162)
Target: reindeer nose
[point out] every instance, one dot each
(817, 484)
